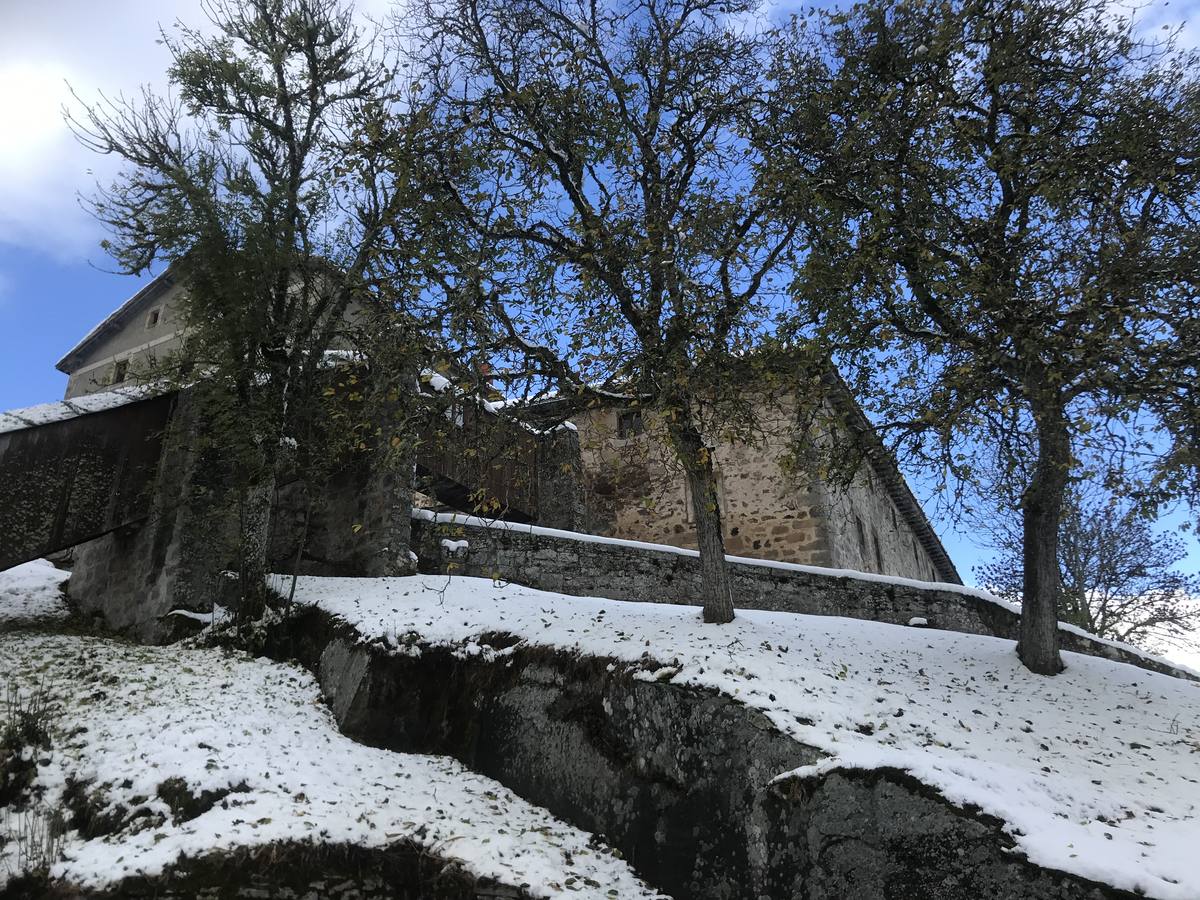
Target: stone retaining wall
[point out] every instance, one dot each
(678, 778)
(622, 572)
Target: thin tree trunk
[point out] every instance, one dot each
(254, 528)
(706, 509)
(1042, 505)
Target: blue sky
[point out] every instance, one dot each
(55, 281)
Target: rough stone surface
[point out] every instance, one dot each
(559, 481)
(356, 525)
(73, 480)
(599, 569)
(774, 503)
(677, 778)
(132, 577)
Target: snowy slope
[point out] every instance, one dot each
(1095, 771)
(132, 717)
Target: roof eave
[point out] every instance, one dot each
(70, 359)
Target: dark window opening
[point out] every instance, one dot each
(629, 423)
(153, 318)
(120, 370)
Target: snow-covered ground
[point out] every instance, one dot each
(1095, 771)
(129, 718)
(32, 590)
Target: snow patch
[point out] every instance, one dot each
(219, 720)
(32, 590)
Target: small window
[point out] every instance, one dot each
(119, 371)
(629, 423)
(154, 317)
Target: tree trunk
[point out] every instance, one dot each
(706, 509)
(1042, 505)
(254, 504)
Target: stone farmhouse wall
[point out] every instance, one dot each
(575, 564)
(773, 505)
(865, 532)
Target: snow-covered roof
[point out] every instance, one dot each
(61, 410)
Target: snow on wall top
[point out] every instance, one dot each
(1094, 771)
(964, 590)
(61, 410)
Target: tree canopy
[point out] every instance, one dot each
(1023, 185)
(615, 166)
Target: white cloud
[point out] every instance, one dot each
(111, 46)
(95, 47)
(108, 47)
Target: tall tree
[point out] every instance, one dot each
(1026, 187)
(1117, 574)
(613, 163)
(255, 180)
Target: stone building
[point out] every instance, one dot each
(774, 504)
(773, 507)
(140, 335)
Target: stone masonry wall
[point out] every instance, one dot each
(678, 778)
(635, 489)
(774, 504)
(621, 572)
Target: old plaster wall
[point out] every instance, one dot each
(144, 347)
(560, 490)
(133, 577)
(866, 532)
